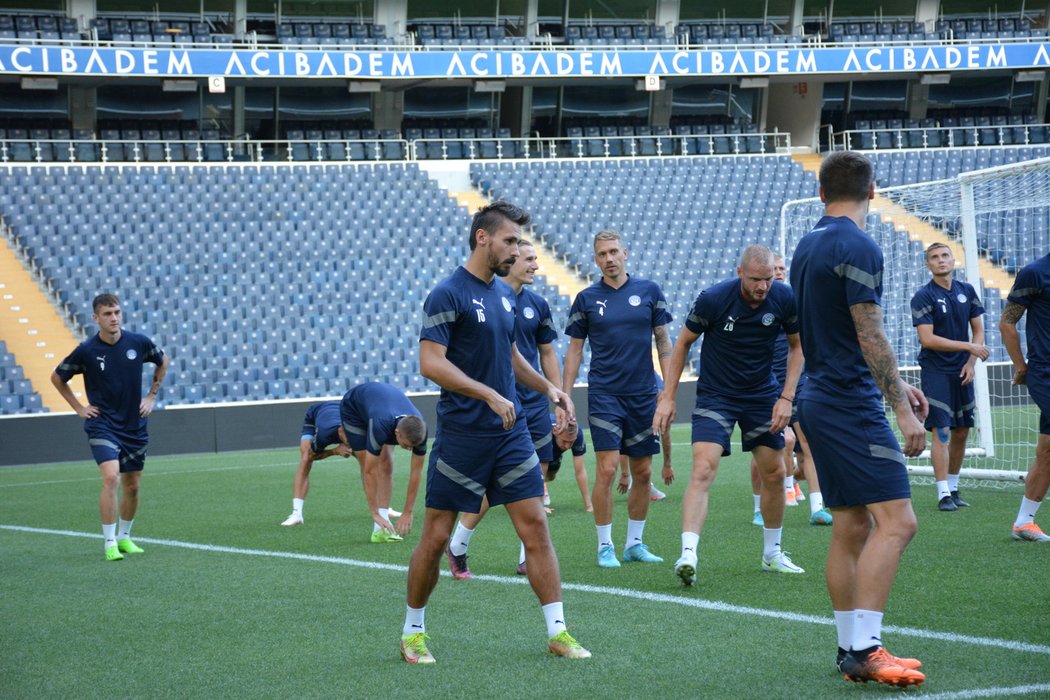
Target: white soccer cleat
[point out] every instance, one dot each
(685, 569)
(394, 513)
(780, 563)
(293, 519)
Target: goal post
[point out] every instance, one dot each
(995, 220)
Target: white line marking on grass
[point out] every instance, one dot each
(151, 473)
(700, 603)
(989, 692)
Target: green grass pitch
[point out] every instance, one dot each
(226, 603)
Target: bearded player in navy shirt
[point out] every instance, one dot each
(115, 415)
(1031, 295)
(482, 447)
(740, 320)
(619, 315)
(836, 274)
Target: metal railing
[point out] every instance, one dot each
(886, 138)
(24, 150)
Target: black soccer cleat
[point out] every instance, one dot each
(947, 504)
(959, 502)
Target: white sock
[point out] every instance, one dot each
(953, 482)
(383, 513)
(124, 531)
(604, 535)
(1026, 514)
(816, 502)
(867, 629)
(690, 543)
(943, 490)
(521, 557)
(460, 539)
(635, 528)
(770, 541)
(297, 506)
(789, 483)
(555, 617)
(414, 620)
(758, 501)
(109, 532)
(844, 628)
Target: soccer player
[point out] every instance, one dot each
(571, 438)
(620, 315)
(115, 415)
(321, 437)
(740, 319)
(794, 440)
(836, 274)
(375, 417)
(945, 312)
(1031, 294)
(534, 334)
(483, 447)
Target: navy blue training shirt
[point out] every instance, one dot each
(619, 324)
(535, 327)
(377, 407)
(949, 312)
(1032, 290)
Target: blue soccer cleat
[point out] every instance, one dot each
(607, 557)
(640, 552)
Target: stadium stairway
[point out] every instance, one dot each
(34, 330)
(557, 274)
(918, 230)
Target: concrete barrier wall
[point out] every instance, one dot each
(44, 438)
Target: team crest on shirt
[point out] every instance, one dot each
(634, 300)
(767, 320)
(961, 298)
(529, 313)
(506, 303)
(132, 354)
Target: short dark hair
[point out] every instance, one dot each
(414, 429)
(104, 300)
(846, 176)
(493, 215)
(935, 246)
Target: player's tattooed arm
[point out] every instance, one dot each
(878, 354)
(663, 341)
(1012, 313)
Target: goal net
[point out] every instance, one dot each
(995, 221)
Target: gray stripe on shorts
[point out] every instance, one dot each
(133, 456)
(715, 416)
(461, 479)
(644, 435)
(606, 425)
(966, 407)
(543, 441)
(353, 429)
(757, 432)
(104, 443)
(886, 453)
(376, 447)
(941, 405)
(518, 471)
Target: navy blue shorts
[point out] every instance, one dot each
(129, 451)
(951, 403)
(857, 456)
(623, 424)
(538, 418)
(1039, 389)
(465, 466)
(715, 416)
(356, 435)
